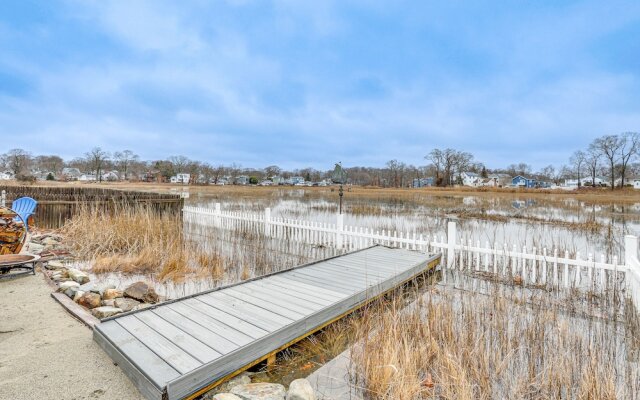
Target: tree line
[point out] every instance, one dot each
(614, 156)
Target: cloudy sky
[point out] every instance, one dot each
(309, 83)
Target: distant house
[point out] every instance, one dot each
(181, 178)
(87, 178)
(296, 180)
(111, 176)
(422, 182)
(6, 175)
(241, 180)
(521, 181)
(636, 183)
(470, 178)
(71, 174)
(498, 180)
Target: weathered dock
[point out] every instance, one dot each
(182, 348)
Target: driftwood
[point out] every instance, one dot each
(12, 234)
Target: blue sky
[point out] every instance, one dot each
(299, 83)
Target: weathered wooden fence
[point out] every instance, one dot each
(57, 204)
(535, 267)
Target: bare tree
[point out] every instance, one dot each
(436, 157)
(51, 163)
(577, 161)
(592, 162)
(179, 163)
(609, 147)
(96, 160)
(628, 150)
(18, 161)
(124, 160)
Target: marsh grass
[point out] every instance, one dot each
(507, 344)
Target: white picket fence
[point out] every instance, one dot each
(549, 268)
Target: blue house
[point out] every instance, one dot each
(521, 181)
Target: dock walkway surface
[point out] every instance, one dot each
(181, 348)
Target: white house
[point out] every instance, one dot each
(87, 178)
(636, 183)
(586, 181)
(71, 174)
(6, 175)
(181, 178)
(470, 178)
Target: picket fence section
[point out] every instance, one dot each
(526, 266)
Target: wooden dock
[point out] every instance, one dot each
(182, 348)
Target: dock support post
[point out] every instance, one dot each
(451, 243)
(271, 361)
(3, 199)
(339, 230)
(267, 221)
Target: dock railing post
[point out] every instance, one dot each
(451, 243)
(339, 230)
(632, 265)
(267, 221)
(216, 216)
(3, 199)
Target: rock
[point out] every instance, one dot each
(71, 292)
(78, 275)
(49, 241)
(226, 396)
(66, 285)
(142, 292)
(125, 304)
(300, 389)
(54, 265)
(76, 297)
(105, 312)
(89, 300)
(242, 379)
(35, 248)
(260, 391)
(110, 303)
(112, 293)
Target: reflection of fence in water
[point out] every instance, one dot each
(57, 204)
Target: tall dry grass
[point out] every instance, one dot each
(462, 345)
(138, 240)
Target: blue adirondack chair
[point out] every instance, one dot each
(25, 207)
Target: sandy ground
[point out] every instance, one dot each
(46, 354)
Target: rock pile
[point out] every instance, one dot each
(103, 300)
(241, 388)
(47, 245)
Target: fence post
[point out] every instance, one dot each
(3, 199)
(216, 216)
(451, 243)
(339, 230)
(267, 221)
(633, 268)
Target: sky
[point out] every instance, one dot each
(309, 83)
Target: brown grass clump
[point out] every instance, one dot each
(460, 345)
(137, 240)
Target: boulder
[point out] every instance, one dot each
(142, 292)
(54, 265)
(78, 276)
(109, 294)
(49, 241)
(242, 379)
(105, 311)
(125, 304)
(89, 300)
(110, 303)
(104, 287)
(71, 292)
(300, 389)
(79, 293)
(226, 396)
(260, 391)
(35, 248)
(66, 285)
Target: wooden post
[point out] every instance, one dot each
(216, 216)
(339, 230)
(3, 199)
(451, 243)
